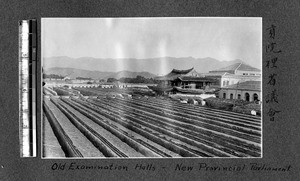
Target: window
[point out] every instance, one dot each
(224, 83)
(239, 96)
(247, 96)
(255, 97)
(231, 96)
(224, 95)
(227, 82)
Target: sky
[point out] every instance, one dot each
(221, 38)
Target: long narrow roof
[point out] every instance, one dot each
(229, 75)
(247, 85)
(236, 66)
(196, 79)
(245, 67)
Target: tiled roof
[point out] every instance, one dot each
(174, 74)
(248, 85)
(236, 66)
(168, 77)
(218, 74)
(175, 71)
(229, 68)
(196, 79)
(245, 67)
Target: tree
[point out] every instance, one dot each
(83, 78)
(111, 80)
(52, 76)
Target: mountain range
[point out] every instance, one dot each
(73, 73)
(101, 68)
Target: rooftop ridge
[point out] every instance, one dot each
(238, 67)
(235, 67)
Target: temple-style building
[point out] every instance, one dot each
(237, 81)
(183, 80)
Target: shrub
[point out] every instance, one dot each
(86, 92)
(246, 109)
(61, 92)
(192, 101)
(219, 103)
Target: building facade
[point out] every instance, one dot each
(248, 91)
(186, 79)
(233, 74)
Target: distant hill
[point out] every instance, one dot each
(73, 73)
(130, 74)
(157, 66)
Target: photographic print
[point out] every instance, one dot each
(152, 87)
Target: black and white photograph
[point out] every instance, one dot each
(152, 87)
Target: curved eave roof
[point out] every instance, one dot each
(176, 71)
(174, 74)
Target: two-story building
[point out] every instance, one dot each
(229, 78)
(233, 74)
(248, 91)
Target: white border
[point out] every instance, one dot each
(129, 158)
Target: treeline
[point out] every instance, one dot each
(52, 76)
(137, 79)
(83, 78)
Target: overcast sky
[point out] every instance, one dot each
(220, 38)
